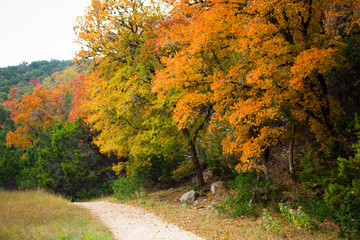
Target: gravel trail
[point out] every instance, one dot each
(127, 222)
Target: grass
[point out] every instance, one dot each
(212, 226)
(40, 215)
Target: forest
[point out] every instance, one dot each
(261, 94)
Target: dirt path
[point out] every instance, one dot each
(130, 223)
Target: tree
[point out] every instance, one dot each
(66, 161)
(9, 167)
(78, 94)
(36, 112)
(34, 82)
(118, 88)
(249, 61)
(20, 75)
(117, 39)
(6, 123)
(70, 163)
(286, 51)
(12, 100)
(195, 42)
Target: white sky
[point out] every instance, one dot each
(32, 30)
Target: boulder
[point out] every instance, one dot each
(189, 196)
(217, 187)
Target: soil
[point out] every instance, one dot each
(127, 222)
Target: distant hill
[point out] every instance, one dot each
(20, 75)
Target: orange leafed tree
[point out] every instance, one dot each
(195, 41)
(259, 58)
(13, 97)
(36, 112)
(287, 50)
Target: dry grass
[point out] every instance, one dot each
(40, 215)
(210, 225)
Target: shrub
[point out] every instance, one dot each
(238, 204)
(9, 167)
(125, 187)
(343, 194)
(317, 208)
(317, 169)
(220, 165)
(185, 170)
(269, 222)
(298, 217)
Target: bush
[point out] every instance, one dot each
(125, 187)
(298, 217)
(220, 165)
(317, 169)
(184, 171)
(156, 166)
(238, 204)
(269, 222)
(9, 167)
(317, 208)
(343, 194)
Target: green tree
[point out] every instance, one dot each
(9, 167)
(67, 162)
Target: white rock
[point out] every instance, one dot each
(189, 196)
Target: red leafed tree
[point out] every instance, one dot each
(34, 82)
(77, 88)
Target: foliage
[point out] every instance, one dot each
(220, 165)
(112, 34)
(119, 102)
(67, 162)
(125, 187)
(317, 208)
(298, 217)
(19, 76)
(317, 169)
(155, 170)
(9, 167)
(184, 171)
(281, 61)
(269, 222)
(239, 204)
(342, 195)
(35, 112)
(6, 123)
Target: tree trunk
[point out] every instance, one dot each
(291, 152)
(194, 156)
(264, 158)
(196, 163)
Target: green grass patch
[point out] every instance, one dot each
(41, 215)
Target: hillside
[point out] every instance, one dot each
(20, 75)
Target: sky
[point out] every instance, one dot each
(33, 30)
